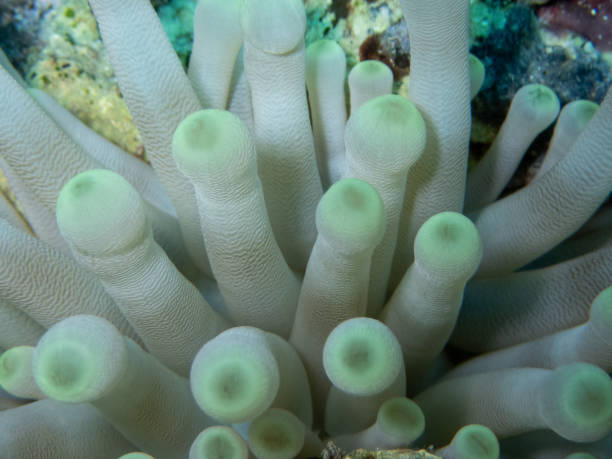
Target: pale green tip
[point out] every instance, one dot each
(475, 442)
(401, 419)
(15, 367)
(100, 213)
(79, 359)
(219, 442)
(136, 455)
(389, 131)
(213, 143)
(351, 216)
(362, 356)
(274, 26)
(277, 434)
(448, 246)
(537, 105)
(234, 380)
(580, 456)
(578, 113)
(324, 57)
(578, 402)
(371, 70)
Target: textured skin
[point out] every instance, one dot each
(367, 80)
(152, 407)
(48, 285)
(36, 169)
(346, 413)
(574, 117)
(509, 402)
(135, 171)
(10, 214)
(440, 88)
(399, 422)
(158, 101)
(325, 70)
(293, 391)
(165, 309)
(422, 314)
(507, 310)
(131, 395)
(240, 98)
(37, 175)
(334, 289)
(593, 235)
(545, 444)
(384, 138)
(257, 285)
(16, 327)
(335, 285)
(533, 109)
(217, 38)
(519, 228)
(59, 430)
(285, 148)
(589, 342)
(159, 208)
(424, 307)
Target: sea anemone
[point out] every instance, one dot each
(286, 276)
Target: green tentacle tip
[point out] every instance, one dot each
(580, 402)
(219, 442)
(201, 135)
(136, 455)
(475, 442)
(274, 26)
(277, 434)
(401, 418)
(92, 205)
(371, 67)
(65, 370)
(14, 363)
(231, 388)
(234, 377)
(448, 242)
(362, 356)
(350, 216)
(539, 103)
(79, 359)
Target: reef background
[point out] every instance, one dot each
(564, 44)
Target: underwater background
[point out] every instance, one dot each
(563, 44)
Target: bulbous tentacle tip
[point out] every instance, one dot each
(79, 359)
(234, 377)
(99, 213)
(274, 26)
(362, 356)
(351, 216)
(578, 402)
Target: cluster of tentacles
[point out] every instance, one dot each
(288, 272)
